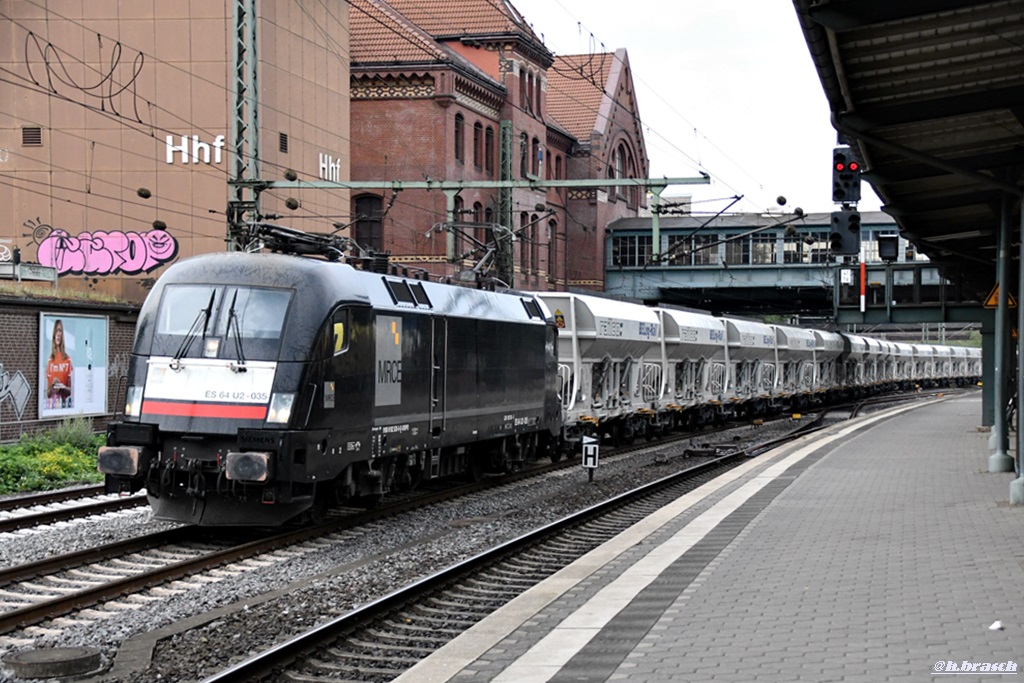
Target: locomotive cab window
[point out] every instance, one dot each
(258, 313)
(254, 316)
(187, 308)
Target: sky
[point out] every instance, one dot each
(724, 87)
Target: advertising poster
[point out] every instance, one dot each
(72, 365)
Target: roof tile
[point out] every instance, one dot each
(463, 17)
(379, 34)
(576, 86)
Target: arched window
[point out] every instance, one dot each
(369, 231)
(558, 176)
(460, 138)
(534, 244)
(522, 87)
(524, 154)
(487, 232)
(524, 243)
(460, 205)
(633, 196)
(489, 150)
(478, 144)
(535, 155)
(620, 168)
(552, 249)
(479, 231)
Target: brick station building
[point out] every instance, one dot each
(116, 143)
(432, 81)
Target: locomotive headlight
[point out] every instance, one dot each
(133, 402)
(280, 408)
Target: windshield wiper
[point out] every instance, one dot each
(190, 336)
(239, 365)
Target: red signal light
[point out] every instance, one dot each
(840, 166)
(854, 166)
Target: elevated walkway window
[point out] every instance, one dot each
(793, 250)
(762, 249)
(738, 251)
(698, 250)
(704, 254)
(630, 250)
(903, 286)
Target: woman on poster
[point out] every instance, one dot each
(58, 371)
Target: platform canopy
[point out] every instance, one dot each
(930, 93)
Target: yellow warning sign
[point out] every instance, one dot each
(993, 298)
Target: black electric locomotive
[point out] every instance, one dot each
(266, 386)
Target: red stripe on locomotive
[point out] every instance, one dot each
(221, 410)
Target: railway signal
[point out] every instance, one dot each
(845, 176)
(845, 234)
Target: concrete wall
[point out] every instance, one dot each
(96, 87)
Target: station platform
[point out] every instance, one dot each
(878, 550)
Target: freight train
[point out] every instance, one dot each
(269, 387)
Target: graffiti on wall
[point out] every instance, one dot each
(102, 252)
(113, 73)
(15, 390)
(119, 365)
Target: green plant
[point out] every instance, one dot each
(62, 456)
(76, 432)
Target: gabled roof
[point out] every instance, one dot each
(459, 18)
(381, 35)
(576, 88)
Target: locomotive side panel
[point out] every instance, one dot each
(339, 381)
(440, 381)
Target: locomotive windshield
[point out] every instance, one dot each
(255, 314)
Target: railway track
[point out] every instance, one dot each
(46, 497)
(60, 586)
(19, 512)
(56, 586)
(381, 640)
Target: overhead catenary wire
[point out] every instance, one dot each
(698, 134)
(332, 45)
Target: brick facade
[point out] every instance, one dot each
(442, 68)
(19, 355)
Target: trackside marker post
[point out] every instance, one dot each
(590, 456)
